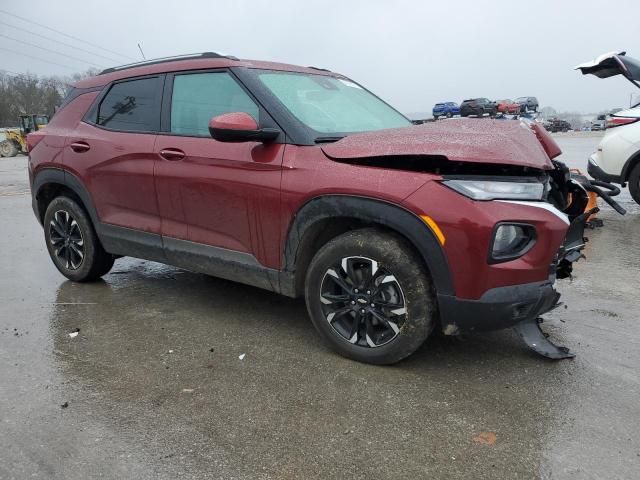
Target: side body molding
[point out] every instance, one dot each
(365, 210)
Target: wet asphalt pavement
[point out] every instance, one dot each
(154, 387)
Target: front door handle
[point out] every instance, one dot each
(80, 147)
(172, 154)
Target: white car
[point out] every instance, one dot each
(617, 158)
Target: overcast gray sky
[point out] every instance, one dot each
(411, 53)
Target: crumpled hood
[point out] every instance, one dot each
(505, 142)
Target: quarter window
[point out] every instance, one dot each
(132, 106)
(197, 97)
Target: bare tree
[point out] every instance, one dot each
(29, 94)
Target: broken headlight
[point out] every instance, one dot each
(480, 189)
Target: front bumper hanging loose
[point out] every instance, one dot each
(571, 251)
(531, 333)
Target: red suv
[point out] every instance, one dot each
(300, 181)
(508, 106)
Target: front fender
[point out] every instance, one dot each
(376, 211)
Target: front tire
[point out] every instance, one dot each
(634, 183)
(369, 296)
(72, 242)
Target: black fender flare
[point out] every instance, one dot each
(49, 175)
(369, 210)
(629, 165)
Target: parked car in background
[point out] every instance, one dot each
(527, 104)
(445, 109)
(508, 106)
(599, 123)
(478, 106)
(617, 158)
(557, 125)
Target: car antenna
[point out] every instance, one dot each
(141, 52)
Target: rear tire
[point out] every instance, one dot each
(369, 296)
(72, 242)
(449, 115)
(634, 183)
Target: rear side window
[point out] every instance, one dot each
(198, 97)
(132, 106)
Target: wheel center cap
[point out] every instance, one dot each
(362, 300)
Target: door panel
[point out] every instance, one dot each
(117, 169)
(111, 151)
(221, 194)
(216, 194)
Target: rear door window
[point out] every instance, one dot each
(198, 97)
(132, 106)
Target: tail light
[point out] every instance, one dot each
(619, 121)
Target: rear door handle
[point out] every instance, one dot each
(172, 154)
(80, 147)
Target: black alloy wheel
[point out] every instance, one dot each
(66, 239)
(363, 303)
(72, 242)
(370, 297)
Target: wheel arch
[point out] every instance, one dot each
(629, 165)
(323, 218)
(49, 183)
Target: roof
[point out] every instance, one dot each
(190, 62)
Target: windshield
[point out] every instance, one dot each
(331, 105)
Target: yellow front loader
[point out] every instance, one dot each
(14, 140)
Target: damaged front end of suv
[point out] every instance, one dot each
(511, 218)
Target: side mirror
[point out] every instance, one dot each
(239, 127)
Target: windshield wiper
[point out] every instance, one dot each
(327, 139)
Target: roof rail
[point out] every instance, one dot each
(321, 69)
(176, 58)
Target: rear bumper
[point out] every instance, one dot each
(599, 174)
(470, 111)
(498, 308)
